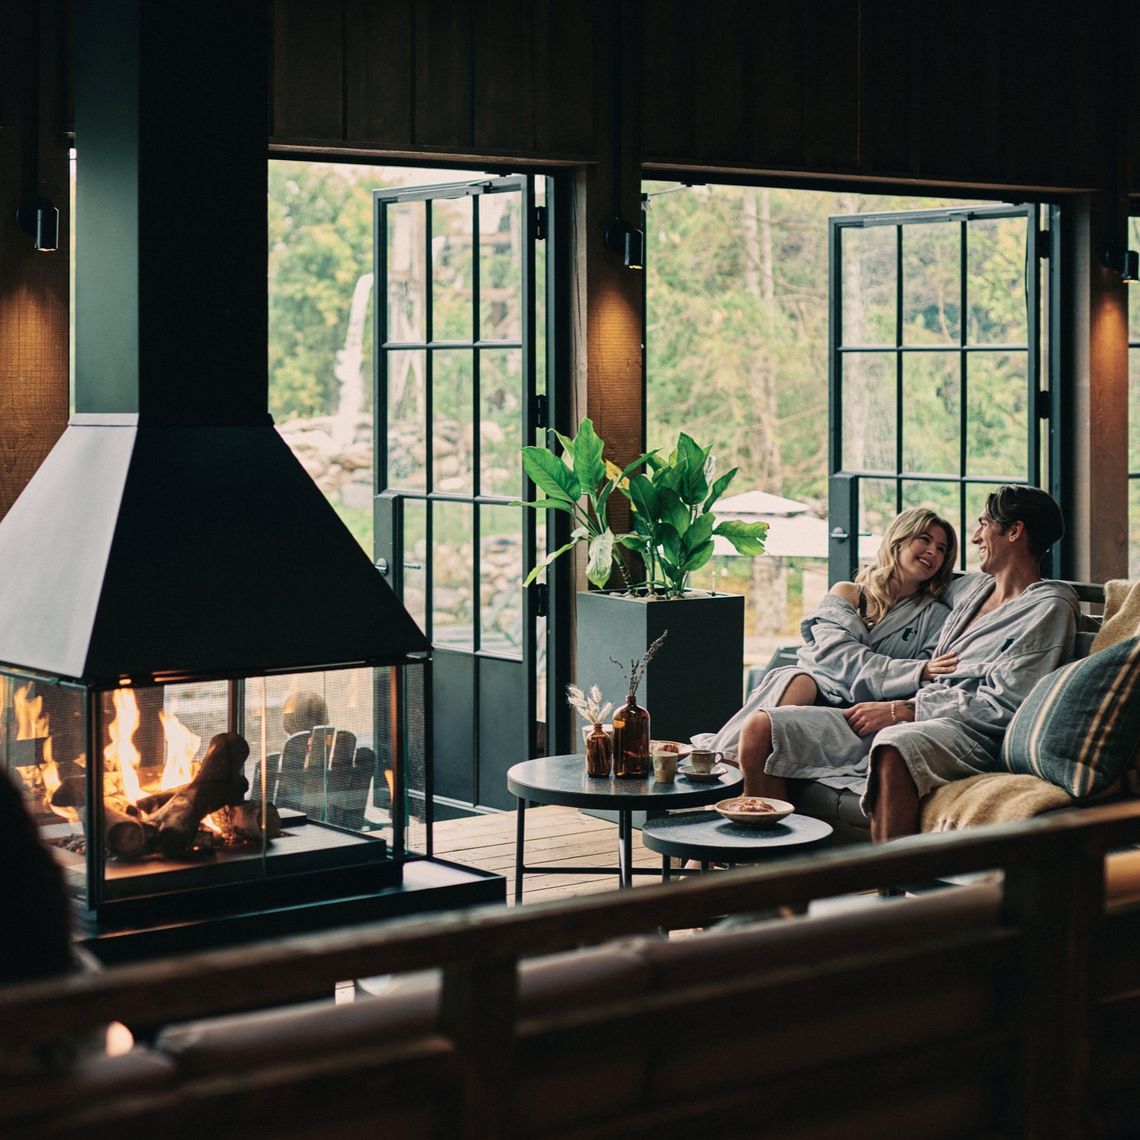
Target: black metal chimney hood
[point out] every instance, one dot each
(171, 533)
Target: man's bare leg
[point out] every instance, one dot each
(895, 811)
(753, 752)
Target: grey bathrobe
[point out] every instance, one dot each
(847, 661)
(960, 717)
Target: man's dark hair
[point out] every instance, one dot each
(1036, 510)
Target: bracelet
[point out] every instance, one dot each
(894, 715)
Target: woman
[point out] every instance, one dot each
(870, 639)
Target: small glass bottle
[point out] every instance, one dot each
(599, 754)
(631, 740)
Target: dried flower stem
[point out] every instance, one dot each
(637, 668)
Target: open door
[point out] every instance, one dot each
(455, 402)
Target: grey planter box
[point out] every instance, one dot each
(694, 684)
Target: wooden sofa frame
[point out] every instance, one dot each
(1009, 1009)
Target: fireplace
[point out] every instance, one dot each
(211, 699)
(202, 797)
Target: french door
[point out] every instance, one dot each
(939, 366)
(456, 396)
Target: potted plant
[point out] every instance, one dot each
(698, 684)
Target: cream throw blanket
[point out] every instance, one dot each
(1002, 797)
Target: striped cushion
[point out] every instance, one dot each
(1079, 726)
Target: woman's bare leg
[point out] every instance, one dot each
(801, 690)
(753, 752)
(895, 810)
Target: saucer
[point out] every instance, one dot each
(715, 773)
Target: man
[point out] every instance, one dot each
(1008, 628)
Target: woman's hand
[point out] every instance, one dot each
(869, 716)
(937, 666)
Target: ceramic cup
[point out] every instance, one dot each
(664, 767)
(702, 759)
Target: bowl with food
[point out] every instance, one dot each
(755, 811)
(682, 750)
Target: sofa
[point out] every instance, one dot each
(1006, 1007)
(1006, 795)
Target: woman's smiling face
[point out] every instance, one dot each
(922, 557)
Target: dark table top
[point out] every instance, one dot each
(708, 836)
(562, 780)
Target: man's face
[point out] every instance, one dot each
(992, 543)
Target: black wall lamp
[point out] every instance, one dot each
(1126, 262)
(38, 218)
(626, 241)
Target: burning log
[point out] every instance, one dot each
(220, 783)
(127, 836)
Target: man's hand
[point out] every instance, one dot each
(869, 716)
(937, 666)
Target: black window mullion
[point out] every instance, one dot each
(900, 411)
(1033, 349)
(964, 384)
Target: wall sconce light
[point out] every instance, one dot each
(38, 218)
(1126, 262)
(626, 241)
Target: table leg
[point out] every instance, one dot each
(625, 849)
(666, 868)
(520, 841)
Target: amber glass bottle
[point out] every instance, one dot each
(599, 755)
(631, 740)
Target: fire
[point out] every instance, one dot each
(181, 748)
(31, 724)
(121, 755)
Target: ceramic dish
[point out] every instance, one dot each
(717, 771)
(682, 750)
(736, 810)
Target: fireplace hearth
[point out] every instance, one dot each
(203, 797)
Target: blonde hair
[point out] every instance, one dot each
(875, 580)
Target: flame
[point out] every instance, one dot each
(31, 724)
(121, 755)
(181, 748)
(52, 781)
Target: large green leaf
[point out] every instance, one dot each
(644, 498)
(601, 560)
(547, 471)
(587, 457)
(699, 534)
(691, 457)
(718, 489)
(671, 510)
(698, 557)
(547, 504)
(576, 535)
(747, 537)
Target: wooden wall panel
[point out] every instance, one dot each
(442, 107)
(378, 69)
(831, 85)
(668, 118)
(504, 76)
(33, 286)
(724, 37)
(780, 83)
(307, 84)
(568, 78)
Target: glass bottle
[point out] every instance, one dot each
(631, 740)
(599, 754)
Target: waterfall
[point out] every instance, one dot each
(348, 368)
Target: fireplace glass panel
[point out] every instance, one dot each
(280, 788)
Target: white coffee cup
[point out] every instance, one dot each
(701, 760)
(664, 766)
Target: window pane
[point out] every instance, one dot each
(878, 499)
(500, 581)
(453, 586)
(406, 278)
(869, 418)
(407, 456)
(1134, 407)
(415, 560)
(869, 272)
(500, 428)
(451, 230)
(996, 281)
(1134, 528)
(931, 283)
(931, 408)
(1133, 299)
(998, 420)
(452, 395)
(500, 267)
